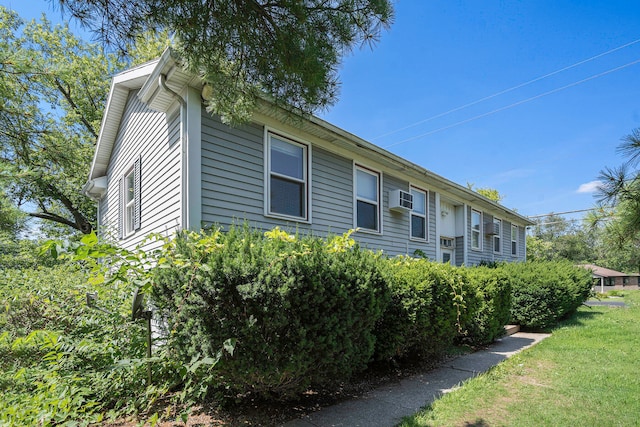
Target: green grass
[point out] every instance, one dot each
(586, 373)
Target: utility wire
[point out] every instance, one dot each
(507, 90)
(515, 104)
(563, 213)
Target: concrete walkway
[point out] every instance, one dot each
(386, 406)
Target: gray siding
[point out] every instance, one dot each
(145, 133)
(233, 191)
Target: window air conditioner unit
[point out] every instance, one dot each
(492, 229)
(400, 201)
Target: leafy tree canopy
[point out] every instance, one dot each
(285, 50)
(53, 89)
(489, 193)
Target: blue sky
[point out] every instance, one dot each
(537, 144)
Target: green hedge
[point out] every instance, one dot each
(544, 293)
(487, 297)
(300, 310)
(421, 317)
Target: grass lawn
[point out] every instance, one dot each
(587, 373)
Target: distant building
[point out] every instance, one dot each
(607, 279)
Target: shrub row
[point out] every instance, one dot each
(301, 310)
(304, 311)
(546, 292)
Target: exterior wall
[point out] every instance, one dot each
(487, 253)
(148, 135)
(233, 191)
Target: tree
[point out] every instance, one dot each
(286, 50)
(489, 193)
(620, 190)
(53, 89)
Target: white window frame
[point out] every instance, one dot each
(478, 231)
(306, 177)
(129, 205)
(497, 238)
(130, 210)
(425, 216)
(514, 242)
(377, 203)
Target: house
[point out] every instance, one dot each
(606, 279)
(162, 163)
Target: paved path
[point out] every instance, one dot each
(385, 406)
(606, 303)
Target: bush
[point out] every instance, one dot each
(300, 311)
(58, 358)
(544, 293)
(421, 318)
(487, 299)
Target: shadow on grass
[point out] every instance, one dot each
(477, 423)
(580, 317)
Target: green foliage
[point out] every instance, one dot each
(288, 51)
(53, 89)
(21, 255)
(58, 358)
(301, 310)
(544, 293)
(488, 303)
(422, 317)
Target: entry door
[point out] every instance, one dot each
(448, 256)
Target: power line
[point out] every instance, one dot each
(515, 104)
(508, 90)
(563, 213)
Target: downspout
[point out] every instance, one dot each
(163, 84)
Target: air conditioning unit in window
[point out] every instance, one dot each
(400, 201)
(492, 229)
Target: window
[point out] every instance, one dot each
(419, 214)
(497, 228)
(514, 240)
(476, 229)
(367, 199)
(130, 200)
(288, 178)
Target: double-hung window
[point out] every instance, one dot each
(130, 203)
(367, 199)
(419, 214)
(288, 180)
(514, 240)
(476, 229)
(497, 237)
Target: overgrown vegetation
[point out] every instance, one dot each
(241, 314)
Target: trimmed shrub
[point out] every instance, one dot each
(487, 300)
(421, 318)
(301, 311)
(544, 293)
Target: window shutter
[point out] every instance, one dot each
(121, 208)
(137, 189)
